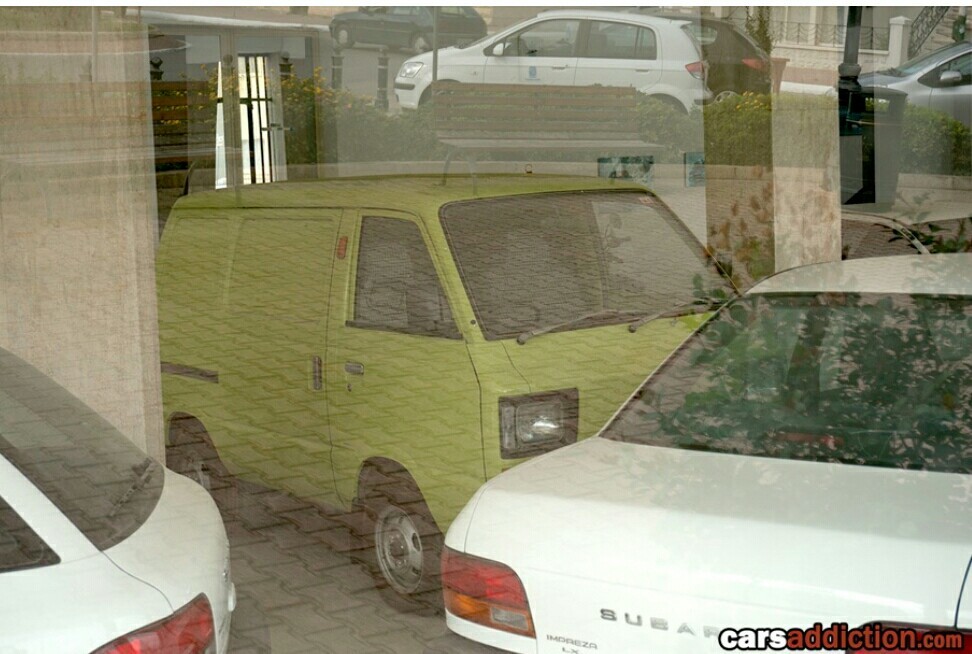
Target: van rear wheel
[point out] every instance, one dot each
(404, 543)
(190, 452)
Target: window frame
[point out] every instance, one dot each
(449, 330)
(585, 53)
(510, 42)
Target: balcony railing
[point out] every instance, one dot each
(872, 38)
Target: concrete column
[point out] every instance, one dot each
(806, 180)
(899, 39)
(77, 211)
(783, 211)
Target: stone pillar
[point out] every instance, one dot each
(77, 211)
(772, 183)
(899, 39)
(806, 180)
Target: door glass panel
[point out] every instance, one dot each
(552, 38)
(612, 40)
(397, 288)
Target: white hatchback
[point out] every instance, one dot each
(102, 550)
(658, 56)
(804, 459)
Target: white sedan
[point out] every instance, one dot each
(102, 550)
(804, 459)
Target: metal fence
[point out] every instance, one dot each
(872, 38)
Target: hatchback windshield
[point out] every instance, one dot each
(923, 61)
(104, 484)
(876, 380)
(574, 260)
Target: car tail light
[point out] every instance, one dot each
(903, 633)
(189, 630)
(485, 592)
(754, 63)
(696, 69)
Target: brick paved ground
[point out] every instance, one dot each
(298, 589)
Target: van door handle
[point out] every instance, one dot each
(317, 373)
(564, 67)
(642, 70)
(353, 368)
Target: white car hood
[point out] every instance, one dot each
(693, 542)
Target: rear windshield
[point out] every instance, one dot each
(874, 380)
(539, 261)
(104, 484)
(20, 547)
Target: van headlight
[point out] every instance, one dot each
(537, 423)
(410, 69)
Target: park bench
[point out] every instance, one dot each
(474, 118)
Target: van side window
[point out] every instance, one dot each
(397, 288)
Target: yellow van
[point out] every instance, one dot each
(389, 344)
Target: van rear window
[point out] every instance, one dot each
(870, 379)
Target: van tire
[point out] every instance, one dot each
(402, 542)
(190, 452)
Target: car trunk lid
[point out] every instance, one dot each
(638, 548)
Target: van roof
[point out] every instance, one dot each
(418, 194)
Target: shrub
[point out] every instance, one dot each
(675, 130)
(934, 143)
(738, 131)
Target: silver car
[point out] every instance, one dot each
(940, 80)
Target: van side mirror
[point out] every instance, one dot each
(495, 50)
(949, 78)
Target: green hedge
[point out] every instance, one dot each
(736, 131)
(934, 143)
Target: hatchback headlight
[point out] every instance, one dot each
(536, 423)
(410, 69)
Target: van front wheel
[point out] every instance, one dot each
(405, 542)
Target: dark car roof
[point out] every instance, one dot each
(711, 20)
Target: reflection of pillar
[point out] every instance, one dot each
(77, 216)
(773, 197)
(899, 39)
(806, 179)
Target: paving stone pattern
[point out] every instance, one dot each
(299, 590)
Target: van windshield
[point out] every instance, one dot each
(573, 260)
(875, 380)
(104, 484)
